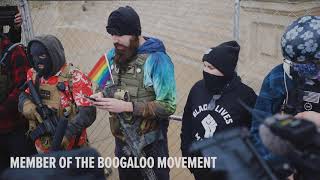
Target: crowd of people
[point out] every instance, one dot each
(144, 72)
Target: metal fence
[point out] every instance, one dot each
(187, 27)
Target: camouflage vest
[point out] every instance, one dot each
(132, 80)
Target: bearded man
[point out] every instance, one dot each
(141, 69)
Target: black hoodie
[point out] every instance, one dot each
(198, 122)
(55, 50)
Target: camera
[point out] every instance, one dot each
(7, 15)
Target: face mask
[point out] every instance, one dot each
(46, 62)
(214, 83)
(40, 56)
(309, 71)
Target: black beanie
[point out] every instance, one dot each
(124, 21)
(224, 57)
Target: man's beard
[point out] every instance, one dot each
(124, 56)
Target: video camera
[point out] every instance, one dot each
(302, 141)
(7, 15)
(238, 159)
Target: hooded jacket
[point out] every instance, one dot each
(269, 101)
(198, 122)
(55, 50)
(159, 74)
(81, 85)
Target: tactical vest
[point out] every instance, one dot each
(304, 98)
(131, 79)
(50, 94)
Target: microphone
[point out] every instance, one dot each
(299, 133)
(273, 142)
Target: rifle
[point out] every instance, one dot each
(49, 117)
(27, 27)
(59, 134)
(50, 122)
(133, 141)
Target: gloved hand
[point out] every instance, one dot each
(147, 125)
(30, 111)
(67, 143)
(32, 126)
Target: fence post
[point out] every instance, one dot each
(236, 19)
(27, 28)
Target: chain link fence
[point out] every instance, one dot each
(262, 25)
(187, 27)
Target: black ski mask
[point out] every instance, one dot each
(41, 57)
(213, 83)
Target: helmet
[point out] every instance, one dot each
(300, 42)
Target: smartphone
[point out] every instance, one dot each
(92, 99)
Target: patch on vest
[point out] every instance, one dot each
(308, 106)
(131, 70)
(45, 94)
(312, 97)
(116, 69)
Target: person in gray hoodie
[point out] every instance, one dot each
(62, 88)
